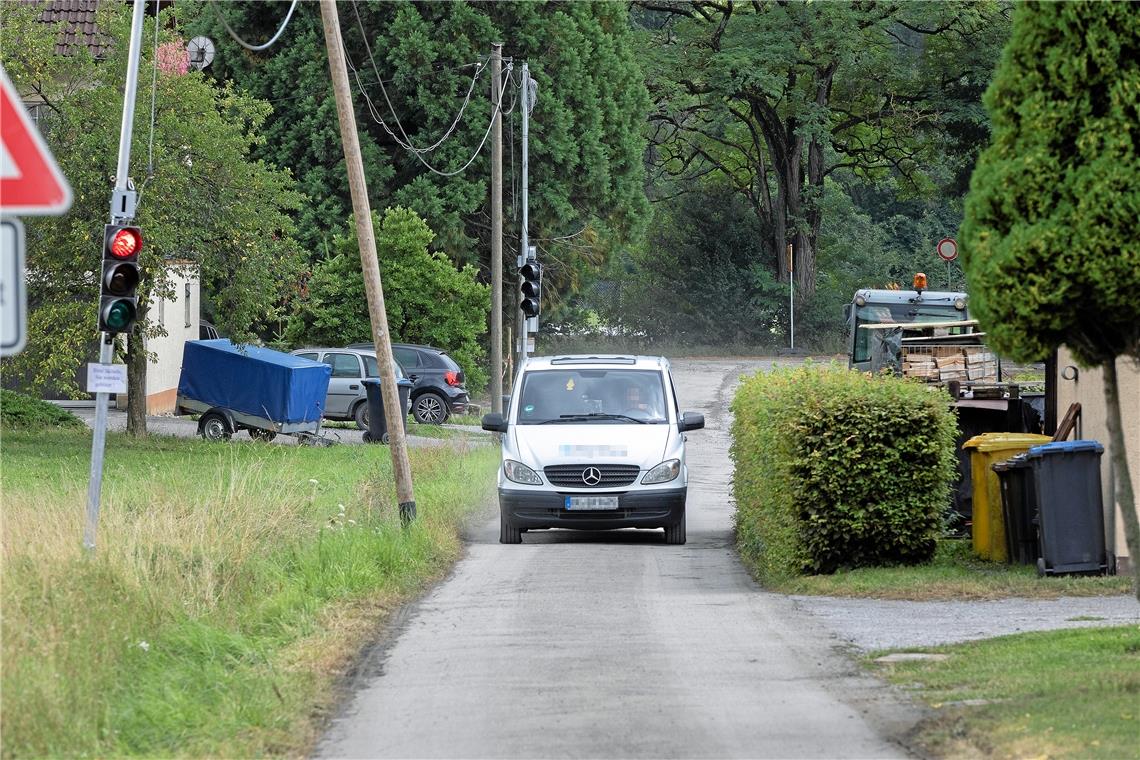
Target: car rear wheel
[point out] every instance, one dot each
(430, 409)
(360, 414)
(675, 534)
(508, 534)
(213, 427)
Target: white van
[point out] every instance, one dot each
(593, 442)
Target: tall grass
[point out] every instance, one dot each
(220, 573)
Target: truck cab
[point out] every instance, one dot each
(880, 307)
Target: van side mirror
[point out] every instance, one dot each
(495, 422)
(691, 421)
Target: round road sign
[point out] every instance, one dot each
(947, 249)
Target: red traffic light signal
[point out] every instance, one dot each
(118, 302)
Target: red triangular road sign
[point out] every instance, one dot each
(30, 181)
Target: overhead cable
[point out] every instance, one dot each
(246, 45)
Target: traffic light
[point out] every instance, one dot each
(531, 273)
(118, 303)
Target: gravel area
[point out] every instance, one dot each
(185, 427)
(871, 624)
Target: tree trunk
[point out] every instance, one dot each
(1124, 494)
(136, 377)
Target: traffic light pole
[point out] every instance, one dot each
(524, 240)
(122, 209)
(373, 287)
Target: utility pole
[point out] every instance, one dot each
(122, 209)
(524, 238)
(373, 287)
(497, 229)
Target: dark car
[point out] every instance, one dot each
(438, 390)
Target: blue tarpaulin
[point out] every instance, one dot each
(252, 380)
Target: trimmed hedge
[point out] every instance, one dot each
(18, 411)
(838, 469)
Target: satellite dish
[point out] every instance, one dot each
(201, 52)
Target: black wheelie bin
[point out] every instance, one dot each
(1019, 509)
(377, 431)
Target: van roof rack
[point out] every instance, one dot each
(594, 360)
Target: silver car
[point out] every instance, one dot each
(593, 442)
(346, 398)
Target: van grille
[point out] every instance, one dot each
(570, 475)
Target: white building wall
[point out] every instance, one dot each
(180, 317)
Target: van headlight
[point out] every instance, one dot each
(662, 473)
(517, 472)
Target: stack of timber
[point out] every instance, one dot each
(941, 364)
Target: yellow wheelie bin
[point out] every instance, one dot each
(986, 449)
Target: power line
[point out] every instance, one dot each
(498, 107)
(246, 45)
(406, 143)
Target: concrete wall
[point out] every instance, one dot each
(1087, 389)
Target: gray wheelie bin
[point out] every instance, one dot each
(1066, 477)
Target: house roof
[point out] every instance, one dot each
(77, 27)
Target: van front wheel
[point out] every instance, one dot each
(508, 534)
(675, 534)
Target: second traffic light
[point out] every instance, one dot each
(531, 274)
(118, 302)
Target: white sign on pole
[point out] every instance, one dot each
(106, 378)
(13, 294)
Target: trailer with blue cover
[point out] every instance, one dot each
(260, 390)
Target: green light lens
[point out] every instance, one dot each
(119, 315)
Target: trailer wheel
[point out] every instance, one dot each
(261, 434)
(213, 427)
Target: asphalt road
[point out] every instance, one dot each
(616, 645)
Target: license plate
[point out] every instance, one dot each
(591, 502)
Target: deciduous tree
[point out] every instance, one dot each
(204, 201)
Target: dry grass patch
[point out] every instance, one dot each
(232, 585)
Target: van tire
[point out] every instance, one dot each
(508, 534)
(675, 534)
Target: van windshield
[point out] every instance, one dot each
(592, 396)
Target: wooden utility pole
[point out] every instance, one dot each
(497, 229)
(369, 264)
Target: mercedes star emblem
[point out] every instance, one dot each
(591, 476)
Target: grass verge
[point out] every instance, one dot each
(954, 574)
(1060, 694)
(231, 586)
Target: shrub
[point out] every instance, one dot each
(18, 411)
(836, 469)
(428, 299)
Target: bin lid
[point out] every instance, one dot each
(1018, 461)
(1066, 447)
(1002, 441)
(1002, 466)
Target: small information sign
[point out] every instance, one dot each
(106, 378)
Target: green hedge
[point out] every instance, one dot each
(18, 411)
(838, 469)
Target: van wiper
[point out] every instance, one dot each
(595, 416)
